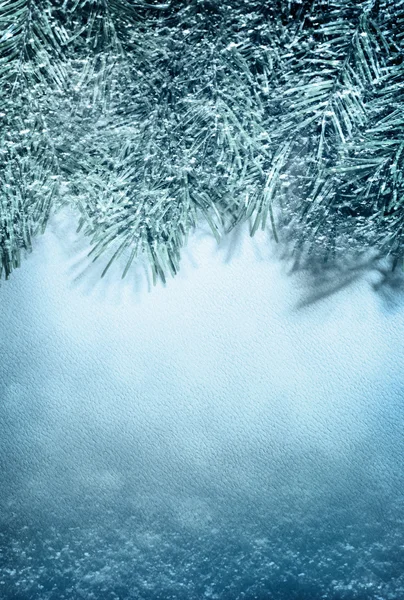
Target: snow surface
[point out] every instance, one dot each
(219, 437)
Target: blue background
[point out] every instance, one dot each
(219, 437)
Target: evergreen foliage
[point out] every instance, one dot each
(147, 117)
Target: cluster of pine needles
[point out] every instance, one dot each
(148, 117)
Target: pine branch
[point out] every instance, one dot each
(190, 120)
(149, 117)
(29, 66)
(335, 98)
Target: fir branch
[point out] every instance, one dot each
(148, 117)
(30, 65)
(336, 109)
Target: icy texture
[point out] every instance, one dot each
(150, 117)
(207, 440)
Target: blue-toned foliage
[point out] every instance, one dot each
(149, 116)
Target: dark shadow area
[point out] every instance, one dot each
(85, 273)
(390, 288)
(322, 276)
(319, 277)
(387, 282)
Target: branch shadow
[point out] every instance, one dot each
(319, 278)
(322, 276)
